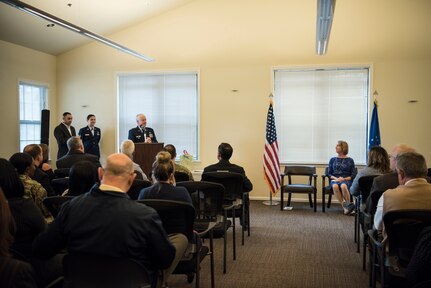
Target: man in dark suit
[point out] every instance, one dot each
(90, 136)
(142, 133)
(76, 154)
(35, 151)
(225, 151)
(62, 132)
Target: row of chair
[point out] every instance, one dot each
(214, 201)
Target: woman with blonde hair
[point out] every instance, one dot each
(342, 171)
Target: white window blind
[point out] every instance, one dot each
(316, 108)
(170, 102)
(32, 99)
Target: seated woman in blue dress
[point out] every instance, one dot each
(342, 171)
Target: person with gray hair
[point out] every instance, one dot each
(128, 148)
(414, 192)
(141, 133)
(76, 154)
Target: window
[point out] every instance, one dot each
(170, 102)
(32, 99)
(315, 108)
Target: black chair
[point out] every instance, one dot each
(210, 219)
(362, 219)
(53, 203)
(181, 176)
(393, 255)
(310, 187)
(179, 217)
(95, 271)
(136, 187)
(60, 185)
(61, 172)
(236, 202)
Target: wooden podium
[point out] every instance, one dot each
(145, 154)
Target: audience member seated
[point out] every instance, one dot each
(389, 180)
(128, 148)
(378, 164)
(29, 223)
(342, 171)
(83, 175)
(163, 188)
(414, 192)
(32, 189)
(35, 151)
(119, 226)
(75, 154)
(224, 154)
(45, 166)
(178, 167)
(14, 273)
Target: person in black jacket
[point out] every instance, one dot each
(90, 136)
(225, 151)
(75, 154)
(63, 132)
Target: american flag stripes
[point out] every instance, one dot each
(271, 163)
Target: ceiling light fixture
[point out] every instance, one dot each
(44, 15)
(325, 14)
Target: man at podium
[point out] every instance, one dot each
(142, 133)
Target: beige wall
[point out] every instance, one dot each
(19, 63)
(234, 60)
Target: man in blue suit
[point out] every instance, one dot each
(90, 136)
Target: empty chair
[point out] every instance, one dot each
(393, 255)
(179, 217)
(136, 187)
(53, 203)
(309, 186)
(210, 219)
(95, 271)
(235, 200)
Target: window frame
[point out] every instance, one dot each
(191, 71)
(44, 101)
(368, 110)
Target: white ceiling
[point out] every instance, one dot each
(101, 17)
(362, 29)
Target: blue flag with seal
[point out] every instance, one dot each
(374, 139)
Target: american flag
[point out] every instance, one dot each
(271, 163)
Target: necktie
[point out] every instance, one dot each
(92, 131)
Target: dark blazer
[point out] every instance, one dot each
(225, 165)
(62, 135)
(137, 136)
(75, 156)
(44, 180)
(90, 141)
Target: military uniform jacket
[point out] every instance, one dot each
(137, 135)
(90, 141)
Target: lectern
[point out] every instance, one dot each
(145, 154)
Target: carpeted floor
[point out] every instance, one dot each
(297, 248)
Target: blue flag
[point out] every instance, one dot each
(374, 129)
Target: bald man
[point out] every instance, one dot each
(142, 133)
(105, 221)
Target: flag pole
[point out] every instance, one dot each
(271, 121)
